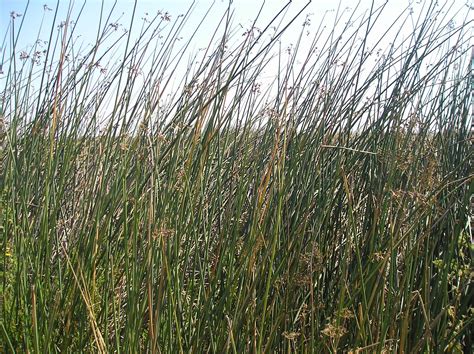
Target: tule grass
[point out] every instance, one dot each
(325, 209)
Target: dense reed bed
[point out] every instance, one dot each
(157, 199)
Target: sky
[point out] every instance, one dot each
(40, 13)
(244, 11)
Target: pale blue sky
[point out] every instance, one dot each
(244, 12)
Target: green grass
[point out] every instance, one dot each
(325, 211)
